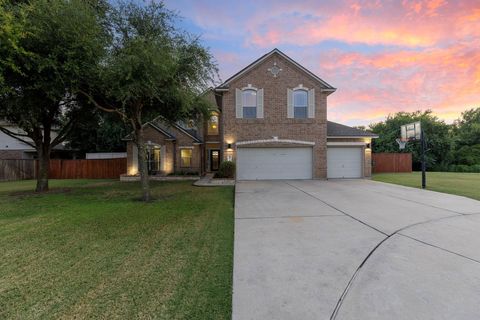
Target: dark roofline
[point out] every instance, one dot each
(168, 135)
(224, 85)
(187, 133)
(351, 132)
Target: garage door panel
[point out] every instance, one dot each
(274, 163)
(344, 162)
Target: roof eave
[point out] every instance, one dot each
(259, 60)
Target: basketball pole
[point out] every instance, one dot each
(424, 164)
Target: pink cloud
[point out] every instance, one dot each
(446, 80)
(410, 23)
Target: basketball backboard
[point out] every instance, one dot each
(411, 131)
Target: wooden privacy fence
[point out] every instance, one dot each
(64, 169)
(88, 169)
(392, 162)
(17, 169)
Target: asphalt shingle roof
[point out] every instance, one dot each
(339, 130)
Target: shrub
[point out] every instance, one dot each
(226, 170)
(464, 168)
(475, 168)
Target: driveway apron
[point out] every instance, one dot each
(353, 249)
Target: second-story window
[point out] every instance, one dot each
(300, 104)
(213, 125)
(249, 103)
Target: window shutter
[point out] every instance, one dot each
(238, 103)
(163, 152)
(260, 103)
(289, 103)
(311, 103)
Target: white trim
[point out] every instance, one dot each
(152, 144)
(353, 144)
(242, 143)
(351, 137)
(300, 87)
(249, 87)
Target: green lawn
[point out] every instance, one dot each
(88, 249)
(463, 184)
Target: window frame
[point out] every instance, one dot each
(295, 107)
(182, 165)
(245, 90)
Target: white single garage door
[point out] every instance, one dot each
(344, 162)
(274, 163)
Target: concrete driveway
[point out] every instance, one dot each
(354, 249)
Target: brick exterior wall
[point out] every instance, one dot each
(275, 121)
(170, 165)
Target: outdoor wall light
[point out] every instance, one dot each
(368, 145)
(229, 147)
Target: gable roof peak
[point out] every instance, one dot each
(327, 87)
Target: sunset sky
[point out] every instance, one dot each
(383, 56)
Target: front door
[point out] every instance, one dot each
(153, 160)
(214, 160)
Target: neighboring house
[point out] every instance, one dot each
(272, 121)
(11, 148)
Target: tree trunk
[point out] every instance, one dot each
(43, 169)
(142, 164)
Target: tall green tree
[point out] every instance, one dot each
(437, 134)
(98, 131)
(152, 68)
(466, 131)
(48, 47)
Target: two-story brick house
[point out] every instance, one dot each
(272, 121)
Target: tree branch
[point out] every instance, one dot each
(62, 135)
(17, 136)
(106, 109)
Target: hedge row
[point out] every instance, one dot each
(458, 168)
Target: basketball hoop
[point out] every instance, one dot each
(401, 143)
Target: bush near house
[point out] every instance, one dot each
(226, 170)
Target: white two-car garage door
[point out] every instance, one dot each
(274, 163)
(344, 162)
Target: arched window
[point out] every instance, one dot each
(249, 103)
(300, 104)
